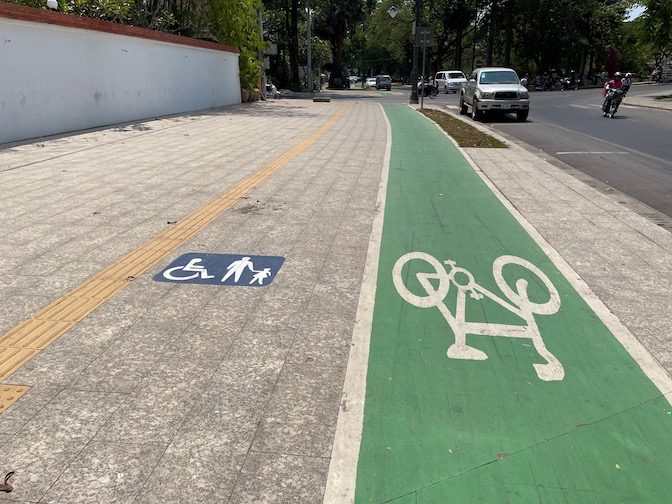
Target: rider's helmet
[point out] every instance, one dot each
(628, 75)
(617, 76)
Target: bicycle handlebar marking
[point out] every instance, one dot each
(518, 303)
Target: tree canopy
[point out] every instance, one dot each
(656, 28)
(530, 35)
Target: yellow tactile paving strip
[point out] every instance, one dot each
(26, 340)
(9, 394)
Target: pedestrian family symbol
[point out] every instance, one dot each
(222, 269)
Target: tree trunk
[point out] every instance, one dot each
(458, 49)
(294, 47)
(582, 64)
(488, 54)
(491, 33)
(336, 77)
(508, 34)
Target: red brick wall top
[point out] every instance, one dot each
(34, 15)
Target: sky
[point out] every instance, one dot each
(635, 11)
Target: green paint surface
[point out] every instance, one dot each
(441, 430)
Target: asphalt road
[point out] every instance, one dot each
(629, 153)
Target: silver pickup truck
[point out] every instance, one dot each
(495, 89)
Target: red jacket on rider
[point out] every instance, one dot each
(612, 84)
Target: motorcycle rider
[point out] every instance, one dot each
(627, 81)
(610, 88)
(615, 83)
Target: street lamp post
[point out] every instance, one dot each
(414, 72)
(393, 11)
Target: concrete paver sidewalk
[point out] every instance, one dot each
(652, 99)
(198, 393)
(187, 393)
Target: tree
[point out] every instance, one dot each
(633, 53)
(294, 45)
(656, 28)
(333, 21)
(606, 21)
(236, 22)
(551, 35)
(385, 43)
(450, 20)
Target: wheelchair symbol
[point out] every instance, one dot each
(465, 283)
(191, 266)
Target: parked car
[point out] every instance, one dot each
(371, 82)
(450, 81)
(495, 89)
(384, 82)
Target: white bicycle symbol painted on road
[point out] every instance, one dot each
(464, 282)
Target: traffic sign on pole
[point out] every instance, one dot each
(425, 36)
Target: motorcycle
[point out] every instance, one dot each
(657, 75)
(612, 100)
(566, 84)
(272, 91)
(426, 89)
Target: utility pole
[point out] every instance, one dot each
(262, 72)
(309, 70)
(416, 55)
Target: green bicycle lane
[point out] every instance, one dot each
(490, 379)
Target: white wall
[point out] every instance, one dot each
(55, 79)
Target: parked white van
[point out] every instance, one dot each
(450, 80)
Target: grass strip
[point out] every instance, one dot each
(463, 133)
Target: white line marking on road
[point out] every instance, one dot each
(591, 152)
(342, 476)
(591, 137)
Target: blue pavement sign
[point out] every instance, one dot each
(222, 269)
